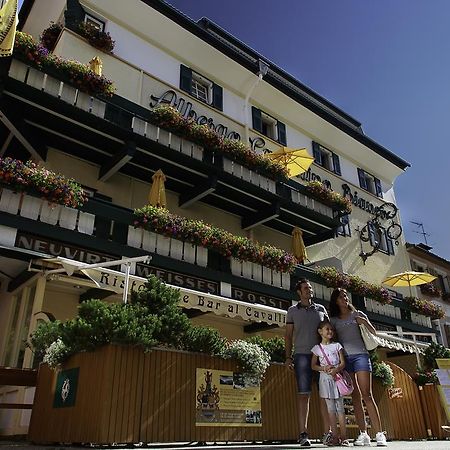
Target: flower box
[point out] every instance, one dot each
(10, 201)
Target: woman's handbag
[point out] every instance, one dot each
(342, 379)
(370, 340)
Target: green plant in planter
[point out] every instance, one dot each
(273, 346)
(204, 340)
(96, 37)
(381, 370)
(432, 352)
(152, 318)
(75, 73)
(424, 376)
(252, 360)
(50, 35)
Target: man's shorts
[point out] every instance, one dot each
(358, 363)
(303, 372)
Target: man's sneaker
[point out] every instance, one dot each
(303, 440)
(326, 438)
(363, 440)
(381, 439)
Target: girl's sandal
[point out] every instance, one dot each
(345, 443)
(335, 442)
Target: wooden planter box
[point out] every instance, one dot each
(126, 396)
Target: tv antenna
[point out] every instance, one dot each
(423, 233)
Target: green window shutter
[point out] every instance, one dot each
(281, 132)
(256, 119)
(336, 164)
(217, 100)
(185, 78)
(316, 153)
(362, 179)
(378, 189)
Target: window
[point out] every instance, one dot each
(378, 237)
(97, 23)
(326, 158)
(344, 229)
(201, 88)
(268, 126)
(370, 183)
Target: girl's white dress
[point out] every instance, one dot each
(327, 385)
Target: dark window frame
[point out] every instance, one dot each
(257, 125)
(216, 91)
(388, 248)
(94, 19)
(334, 161)
(362, 177)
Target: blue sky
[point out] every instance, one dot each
(386, 63)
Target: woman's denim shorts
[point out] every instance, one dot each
(358, 363)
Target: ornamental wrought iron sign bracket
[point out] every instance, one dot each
(383, 219)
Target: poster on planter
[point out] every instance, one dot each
(443, 374)
(226, 399)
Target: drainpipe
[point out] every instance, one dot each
(263, 68)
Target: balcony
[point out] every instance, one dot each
(117, 136)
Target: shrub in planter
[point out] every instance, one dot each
(273, 346)
(331, 198)
(381, 370)
(162, 301)
(50, 35)
(96, 37)
(425, 307)
(204, 340)
(28, 177)
(425, 376)
(197, 232)
(432, 352)
(252, 360)
(333, 278)
(75, 73)
(430, 289)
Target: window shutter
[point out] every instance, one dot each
(256, 119)
(336, 164)
(362, 179)
(217, 97)
(316, 153)
(281, 132)
(372, 234)
(185, 78)
(378, 189)
(390, 245)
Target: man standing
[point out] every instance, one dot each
(301, 331)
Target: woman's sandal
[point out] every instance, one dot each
(345, 443)
(335, 441)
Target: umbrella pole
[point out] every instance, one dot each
(410, 291)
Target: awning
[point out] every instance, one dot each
(113, 280)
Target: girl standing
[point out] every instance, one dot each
(346, 320)
(328, 359)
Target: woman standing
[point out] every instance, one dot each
(346, 320)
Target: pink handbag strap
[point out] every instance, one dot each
(325, 355)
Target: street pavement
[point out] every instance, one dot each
(394, 445)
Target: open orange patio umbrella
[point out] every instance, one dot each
(408, 278)
(298, 246)
(157, 195)
(295, 161)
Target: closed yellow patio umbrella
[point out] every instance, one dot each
(295, 161)
(298, 246)
(408, 278)
(157, 195)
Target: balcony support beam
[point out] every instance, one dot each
(198, 192)
(260, 217)
(117, 161)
